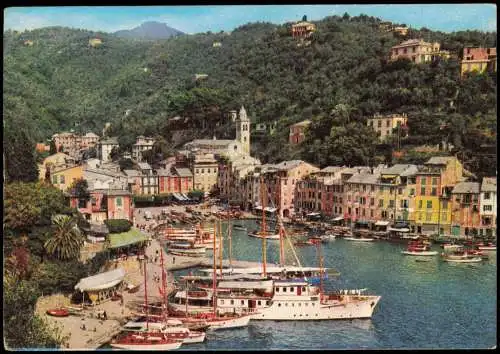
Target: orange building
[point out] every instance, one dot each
(104, 205)
(465, 215)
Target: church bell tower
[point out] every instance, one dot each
(243, 130)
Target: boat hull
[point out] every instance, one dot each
(421, 253)
(466, 260)
(335, 311)
(148, 346)
(354, 239)
(487, 248)
(267, 237)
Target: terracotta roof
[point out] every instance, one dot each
(304, 123)
(364, 178)
(439, 160)
(183, 172)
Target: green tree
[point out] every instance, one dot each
(80, 189)
(53, 148)
(20, 158)
(66, 240)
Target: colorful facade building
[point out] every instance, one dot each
(297, 132)
(465, 216)
(64, 177)
(434, 183)
(280, 182)
(488, 205)
(416, 50)
(148, 179)
(175, 180)
(479, 60)
(105, 204)
(384, 125)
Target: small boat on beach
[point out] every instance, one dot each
(58, 312)
(187, 249)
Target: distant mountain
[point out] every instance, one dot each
(150, 30)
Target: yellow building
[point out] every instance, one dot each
(56, 161)
(63, 178)
(384, 125)
(434, 183)
(416, 50)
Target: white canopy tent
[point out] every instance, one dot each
(101, 281)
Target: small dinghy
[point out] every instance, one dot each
(60, 312)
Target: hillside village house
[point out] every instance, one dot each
(479, 60)
(418, 51)
(142, 144)
(64, 177)
(104, 148)
(134, 180)
(488, 205)
(303, 29)
(384, 125)
(56, 161)
(465, 209)
(297, 132)
(73, 143)
(40, 147)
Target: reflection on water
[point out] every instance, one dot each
(431, 304)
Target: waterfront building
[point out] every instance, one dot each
(400, 183)
(232, 183)
(488, 205)
(142, 144)
(104, 148)
(241, 145)
(416, 50)
(434, 183)
(280, 180)
(297, 132)
(361, 191)
(384, 125)
(465, 209)
(479, 60)
(174, 179)
(63, 178)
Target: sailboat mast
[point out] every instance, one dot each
(263, 233)
(220, 246)
(164, 285)
(320, 269)
(214, 272)
(146, 294)
(230, 245)
(282, 255)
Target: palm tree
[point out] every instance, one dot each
(66, 240)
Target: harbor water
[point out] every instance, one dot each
(432, 305)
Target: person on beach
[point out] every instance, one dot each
(173, 260)
(104, 315)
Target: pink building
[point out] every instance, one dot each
(281, 181)
(104, 205)
(297, 132)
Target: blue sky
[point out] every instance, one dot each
(194, 19)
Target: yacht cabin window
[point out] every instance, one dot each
(284, 290)
(232, 302)
(291, 289)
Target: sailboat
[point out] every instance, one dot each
(148, 339)
(213, 319)
(264, 233)
(173, 328)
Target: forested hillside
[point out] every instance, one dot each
(340, 79)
